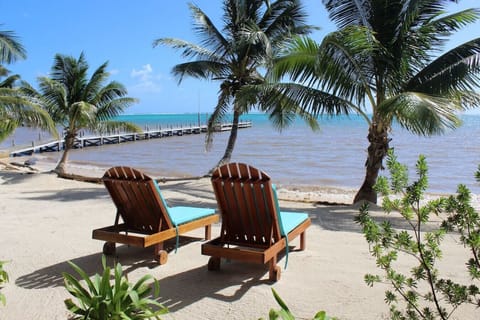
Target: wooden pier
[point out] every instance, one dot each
(95, 141)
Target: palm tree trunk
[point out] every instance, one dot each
(231, 140)
(377, 150)
(61, 166)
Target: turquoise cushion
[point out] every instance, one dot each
(180, 215)
(290, 220)
(287, 220)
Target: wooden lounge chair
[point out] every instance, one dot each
(147, 219)
(253, 228)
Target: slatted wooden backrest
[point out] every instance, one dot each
(245, 199)
(137, 200)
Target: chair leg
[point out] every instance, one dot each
(303, 240)
(161, 256)
(109, 248)
(274, 271)
(208, 232)
(214, 263)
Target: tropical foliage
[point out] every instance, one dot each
(76, 101)
(15, 109)
(101, 300)
(3, 280)
(252, 34)
(421, 293)
(285, 314)
(387, 56)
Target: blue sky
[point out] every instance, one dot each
(122, 32)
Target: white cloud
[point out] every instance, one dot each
(114, 72)
(146, 80)
(144, 73)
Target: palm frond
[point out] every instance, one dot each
(349, 12)
(428, 35)
(210, 36)
(468, 99)
(298, 62)
(259, 43)
(52, 96)
(284, 19)
(421, 113)
(104, 94)
(109, 126)
(81, 114)
(303, 98)
(7, 126)
(201, 69)
(114, 107)
(96, 82)
(190, 50)
(10, 48)
(457, 69)
(9, 81)
(15, 108)
(446, 25)
(284, 114)
(345, 66)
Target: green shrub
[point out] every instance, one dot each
(466, 220)
(285, 314)
(3, 280)
(101, 300)
(424, 294)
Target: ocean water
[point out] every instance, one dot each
(334, 156)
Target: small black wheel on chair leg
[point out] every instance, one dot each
(213, 263)
(109, 248)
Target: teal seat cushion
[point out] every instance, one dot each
(180, 215)
(290, 220)
(287, 220)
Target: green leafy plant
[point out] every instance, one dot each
(102, 300)
(424, 294)
(466, 220)
(285, 314)
(3, 280)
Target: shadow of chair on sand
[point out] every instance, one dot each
(131, 258)
(177, 291)
(229, 284)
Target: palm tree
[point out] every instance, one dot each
(14, 108)
(387, 55)
(253, 32)
(77, 102)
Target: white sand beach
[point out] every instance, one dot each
(46, 221)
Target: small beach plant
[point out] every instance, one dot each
(3, 280)
(420, 292)
(99, 299)
(285, 314)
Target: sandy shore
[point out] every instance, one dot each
(46, 221)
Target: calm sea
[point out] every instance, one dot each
(333, 156)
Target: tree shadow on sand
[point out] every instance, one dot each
(342, 218)
(129, 257)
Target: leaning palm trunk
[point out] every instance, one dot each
(231, 140)
(377, 150)
(61, 166)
